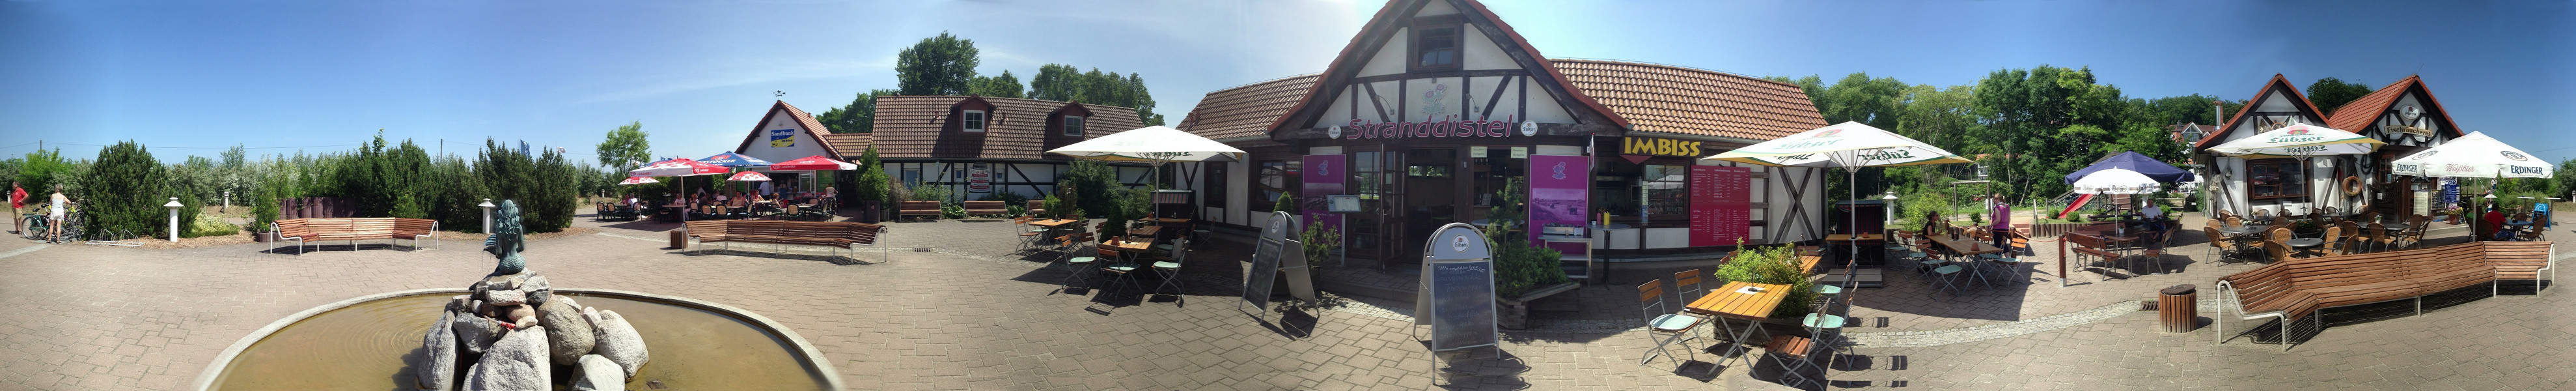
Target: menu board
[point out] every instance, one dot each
(1266, 253)
(1721, 210)
(1456, 297)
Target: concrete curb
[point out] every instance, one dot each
(822, 366)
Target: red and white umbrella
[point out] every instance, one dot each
(638, 180)
(813, 163)
(748, 176)
(678, 167)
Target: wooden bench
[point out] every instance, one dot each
(838, 234)
(2296, 289)
(352, 229)
(918, 208)
(987, 208)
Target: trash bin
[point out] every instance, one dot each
(2179, 308)
(679, 239)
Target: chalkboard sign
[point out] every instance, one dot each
(1456, 297)
(1265, 260)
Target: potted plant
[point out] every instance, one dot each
(263, 215)
(1523, 272)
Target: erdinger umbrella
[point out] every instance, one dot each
(813, 163)
(2473, 156)
(638, 180)
(2116, 181)
(1849, 145)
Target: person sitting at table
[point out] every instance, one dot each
(2495, 224)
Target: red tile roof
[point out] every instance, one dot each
(2301, 103)
(1246, 110)
(914, 127)
(851, 145)
(813, 129)
(1350, 60)
(1655, 98)
(2370, 106)
(1678, 100)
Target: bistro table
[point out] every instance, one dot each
(2239, 230)
(1968, 247)
(1167, 220)
(1129, 248)
(2303, 244)
(1052, 225)
(1150, 231)
(1751, 302)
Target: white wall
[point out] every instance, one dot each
(801, 141)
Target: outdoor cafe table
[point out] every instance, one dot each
(1150, 231)
(1969, 247)
(1167, 220)
(1731, 301)
(1129, 247)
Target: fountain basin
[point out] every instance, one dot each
(364, 343)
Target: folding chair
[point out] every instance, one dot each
(1171, 270)
(1662, 325)
(1121, 265)
(1076, 267)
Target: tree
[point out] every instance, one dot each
(859, 116)
(2027, 113)
(1859, 98)
(870, 188)
(2331, 93)
(940, 65)
(1060, 82)
(42, 170)
(1813, 85)
(625, 146)
(1004, 86)
(1938, 116)
(124, 191)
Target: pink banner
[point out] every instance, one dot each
(1323, 175)
(1559, 196)
(1721, 209)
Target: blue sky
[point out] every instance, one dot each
(192, 77)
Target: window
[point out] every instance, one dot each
(911, 176)
(1435, 48)
(2276, 178)
(1666, 192)
(1275, 178)
(973, 120)
(1214, 181)
(1368, 180)
(1073, 126)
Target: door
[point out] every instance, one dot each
(1430, 194)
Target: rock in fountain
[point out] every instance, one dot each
(522, 332)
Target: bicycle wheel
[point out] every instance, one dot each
(34, 227)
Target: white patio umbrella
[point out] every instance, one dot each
(2116, 181)
(1158, 144)
(2302, 141)
(1849, 145)
(2475, 155)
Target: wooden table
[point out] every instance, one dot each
(1150, 231)
(1166, 220)
(1129, 247)
(1053, 223)
(1730, 301)
(1969, 247)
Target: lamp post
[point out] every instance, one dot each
(174, 218)
(1889, 206)
(487, 215)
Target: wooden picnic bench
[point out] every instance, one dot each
(918, 208)
(2295, 289)
(838, 234)
(987, 208)
(352, 229)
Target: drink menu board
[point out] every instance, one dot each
(1721, 210)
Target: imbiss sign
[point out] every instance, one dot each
(1658, 147)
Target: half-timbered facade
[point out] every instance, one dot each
(978, 147)
(1429, 112)
(2404, 114)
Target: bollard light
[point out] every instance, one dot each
(487, 215)
(174, 218)
(1889, 206)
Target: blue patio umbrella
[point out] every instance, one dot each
(2133, 161)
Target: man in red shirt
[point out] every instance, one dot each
(2495, 224)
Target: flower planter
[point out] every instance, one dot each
(1514, 311)
(261, 237)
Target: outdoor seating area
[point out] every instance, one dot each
(839, 235)
(1149, 248)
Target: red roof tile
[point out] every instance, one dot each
(851, 145)
(914, 127)
(1246, 110)
(2377, 102)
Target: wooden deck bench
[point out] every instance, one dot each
(2296, 289)
(918, 208)
(838, 234)
(352, 229)
(987, 208)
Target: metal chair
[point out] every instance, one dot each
(1947, 276)
(1664, 327)
(1077, 267)
(1171, 270)
(1121, 265)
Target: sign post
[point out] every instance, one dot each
(1272, 250)
(1456, 297)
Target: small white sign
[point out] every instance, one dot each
(1335, 132)
(1529, 129)
(1520, 152)
(1458, 243)
(1476, 152)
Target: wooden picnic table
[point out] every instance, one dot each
(1731, 301)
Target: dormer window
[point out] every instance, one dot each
(1073, 125)
(972, 121)
(1435, 48)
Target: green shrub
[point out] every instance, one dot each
(1519, 266)
(1008, 198)
(541, 184)
(125, 188)
(930, 193)
(1771, 265)
(950, 209)
(1091, 185)
(266, 211)
(1319, 242)
(210, 227)
(1016, 210)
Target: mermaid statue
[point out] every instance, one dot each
(507, 240)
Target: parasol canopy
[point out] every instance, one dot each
(730, 159)
(2116, 181)
(1150, 144)
(2475, 155)
(638, 180)
(748, 176)
(2138, 163)
(677, 167)
(1848, 144)
(813, 163)
(2298, 140)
